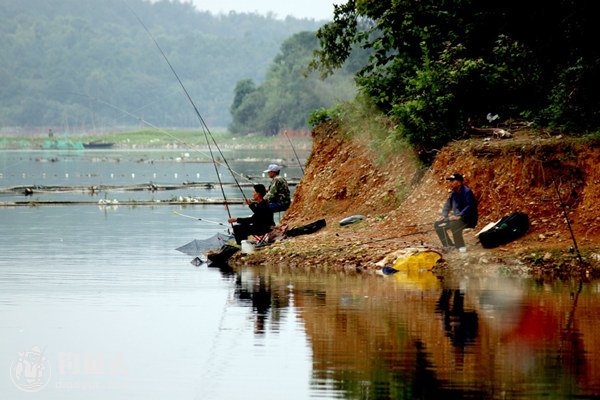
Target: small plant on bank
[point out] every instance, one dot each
(319, 116)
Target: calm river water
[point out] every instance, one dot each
(95, 303)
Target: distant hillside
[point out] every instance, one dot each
(85, 64)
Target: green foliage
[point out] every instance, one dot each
(318, 116)
(574, 104)
(361, 120)
(441, 67)
(289, 93)
(336, 39)
(80, 64)
(242, 89)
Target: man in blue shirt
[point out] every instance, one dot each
(459, 212)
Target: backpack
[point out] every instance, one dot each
(504, 231)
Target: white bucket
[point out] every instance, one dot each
(247, 246)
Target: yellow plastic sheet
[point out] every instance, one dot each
(414, 270)
(421, 260)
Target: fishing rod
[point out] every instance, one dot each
(402, 226)
(564, 209)
(142, 120)
(552, 164)
(200, 219)
(571, 317)
(375, 240)
(204, 126)
(294, 150)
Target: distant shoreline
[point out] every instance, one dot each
(151, 139)
(125, 203)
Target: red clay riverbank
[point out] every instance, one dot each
(401, 200)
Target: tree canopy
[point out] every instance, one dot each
(290, 92)
(78, 64)
(439, 67)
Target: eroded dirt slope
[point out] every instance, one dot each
(345, 177)
(401, 199)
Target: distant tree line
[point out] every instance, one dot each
(87, 63)
(290, 92)
(440, 67)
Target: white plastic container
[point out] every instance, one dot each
(247, 246)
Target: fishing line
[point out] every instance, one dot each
(140, 119)
(9, 166)
(176, 91)
(203, 124)
(349, 234)
(294, 150)
(374, 240)
(551, 164)
(200, 219)
(205, 129)
(227, 164)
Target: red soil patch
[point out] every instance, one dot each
(400, 198)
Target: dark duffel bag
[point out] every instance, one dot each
(504, 231)
(306, 229)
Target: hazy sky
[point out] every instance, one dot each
(317, 9)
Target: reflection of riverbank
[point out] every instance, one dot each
(480, 337)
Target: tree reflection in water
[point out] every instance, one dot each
(378, 338)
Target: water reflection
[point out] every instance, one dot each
(84, 281)
(459, 324)
(224, 268)
(485, 338)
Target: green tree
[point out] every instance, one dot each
(242, 89)
(289, 93)
(440, 66)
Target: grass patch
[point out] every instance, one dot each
(143, 138)
(361, 120)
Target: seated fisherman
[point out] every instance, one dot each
(261, 220)
(279, 191)
(459, 212)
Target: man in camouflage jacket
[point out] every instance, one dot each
(278, 195)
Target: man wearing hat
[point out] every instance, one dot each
(459, 212)
(278, 195)
(261, 220)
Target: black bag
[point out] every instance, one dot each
(306, 229)
(506, 230)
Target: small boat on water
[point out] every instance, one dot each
(98, 145)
